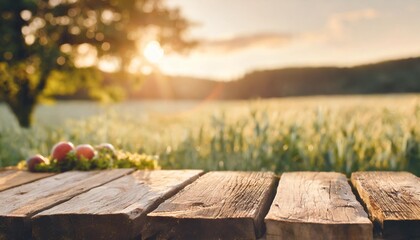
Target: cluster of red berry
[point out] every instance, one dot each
(61, 150)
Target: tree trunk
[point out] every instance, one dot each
(23, 112)
(23, 103)
(20, 92)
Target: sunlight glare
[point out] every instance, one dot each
(109, 64)
(146, 70)
(153, 52)
(86, 55)
(134, 65)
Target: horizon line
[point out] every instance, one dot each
(295, 66)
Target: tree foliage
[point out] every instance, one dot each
(45, 44)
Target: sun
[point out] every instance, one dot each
(153, 52)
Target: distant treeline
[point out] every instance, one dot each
(397, 76)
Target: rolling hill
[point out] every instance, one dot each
(396, 76)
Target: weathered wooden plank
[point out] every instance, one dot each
(316, 205)
(116, 210)
(392, 200)
(219, 205)
(13, 178)
(19, 203)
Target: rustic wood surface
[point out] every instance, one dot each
(113, 204)
(219, 205)
(13, 178)
(316, 205)
(392, 200)
(116, 210)
(19, 203)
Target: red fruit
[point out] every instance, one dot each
(108, 146)
(86, 151)
(60, 150)
(33, 161)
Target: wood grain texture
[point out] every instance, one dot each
(116, 210)
(219, 205)
(19, 203)
(316, 205)
(392, 200)
(14, 178)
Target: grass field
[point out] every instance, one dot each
(315, 133)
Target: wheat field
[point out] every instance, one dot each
(340, 133)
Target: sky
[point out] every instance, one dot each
(240, 36)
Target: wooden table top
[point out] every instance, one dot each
(192, 204)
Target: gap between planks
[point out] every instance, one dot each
(316, 205)
(218, 205)
(393, 202)
(116, 210)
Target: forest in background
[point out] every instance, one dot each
(396, 76)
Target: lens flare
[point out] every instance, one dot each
(153, 52)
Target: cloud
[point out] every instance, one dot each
(338, 21)
(267, 40)
(337, 25)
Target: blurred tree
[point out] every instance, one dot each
(57, 44)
